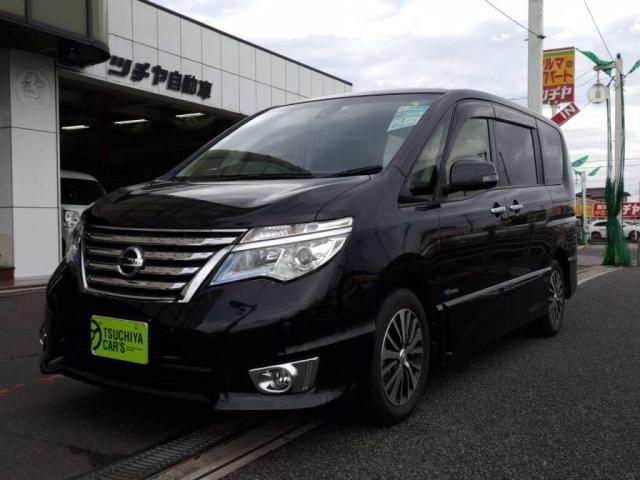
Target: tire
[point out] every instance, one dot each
(551, 323)
(397, 379)
(633, 236)
(596, 236)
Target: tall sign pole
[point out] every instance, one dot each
(535, 40)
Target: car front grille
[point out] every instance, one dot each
(174, 265)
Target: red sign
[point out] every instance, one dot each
(629, 209)
(566, 113)
(558, 72)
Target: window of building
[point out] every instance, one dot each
(516, 157)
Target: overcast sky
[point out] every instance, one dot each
(379, 44)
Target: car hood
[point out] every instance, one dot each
(227, 204)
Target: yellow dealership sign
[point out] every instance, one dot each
(558, 75)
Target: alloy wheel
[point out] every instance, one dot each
(556, 297)
(402, 357)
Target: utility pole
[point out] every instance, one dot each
(534, 84)
(619, 131)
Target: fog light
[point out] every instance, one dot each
(292, 377)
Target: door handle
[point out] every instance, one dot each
(497, 210)
(516, 207)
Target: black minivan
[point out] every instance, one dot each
(353, 240)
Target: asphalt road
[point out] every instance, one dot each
(53, 427)
(525, 407)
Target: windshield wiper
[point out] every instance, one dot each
(370, 169)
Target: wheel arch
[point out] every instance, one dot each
(411, 271)
(560, 255)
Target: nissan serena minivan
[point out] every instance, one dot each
(348, 241)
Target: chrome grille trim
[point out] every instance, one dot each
(100, 293)
(236, 231)
(176, 262)
(151, 270)
(163, 241)
(151, 255)
(123, 282)
(191, 288)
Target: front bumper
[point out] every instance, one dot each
(203, 350)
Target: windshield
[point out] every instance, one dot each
(342, 136)
(80, 192)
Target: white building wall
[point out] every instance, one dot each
(244, 78)
(29, 179)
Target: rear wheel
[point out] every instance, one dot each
(551, 323)
(400, 362)
(596, 236)
(633, 236)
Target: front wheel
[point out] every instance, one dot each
(633, 236)
(596, 236)
(400, 362)
(551, 322)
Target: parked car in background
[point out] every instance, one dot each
(78, 191)
(598, 230)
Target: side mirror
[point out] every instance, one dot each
(472, 175)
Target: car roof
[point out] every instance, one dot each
(451, 95)
(76, 175)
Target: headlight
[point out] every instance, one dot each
(284, 252)
(70, 218)
(72, 255)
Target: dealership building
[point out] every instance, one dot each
(119, 89)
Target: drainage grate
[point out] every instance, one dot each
(156, 459)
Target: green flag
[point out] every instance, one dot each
(635, 65)
(594, 171)
(598, 61)
(580, 161)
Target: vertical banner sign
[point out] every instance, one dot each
(558, 75)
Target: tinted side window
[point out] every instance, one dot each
(423, 174)
(516, 158)
(552, 154)
(471, 143)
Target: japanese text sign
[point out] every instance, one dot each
(558, 75)
(629, 209)
(566, 113)
(189, 84)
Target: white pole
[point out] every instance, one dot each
(619, 133)
(534, 84)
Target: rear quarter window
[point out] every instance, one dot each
(552, 154)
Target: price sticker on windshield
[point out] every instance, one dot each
(407, 116)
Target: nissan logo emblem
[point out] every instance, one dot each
(130, 261)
